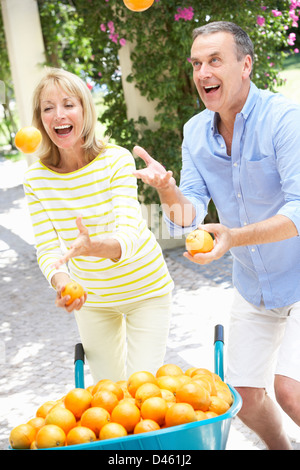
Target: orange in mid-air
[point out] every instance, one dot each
(199, 241)
(138, 5)
(28, 139)
(74, 290)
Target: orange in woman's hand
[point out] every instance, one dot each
(138, 5)
(28, 139)
(74, 290)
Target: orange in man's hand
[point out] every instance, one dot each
(138, 5)
(199, 241)
(28, 139)
(74, 290)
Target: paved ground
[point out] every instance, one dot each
(37, 340)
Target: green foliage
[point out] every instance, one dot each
(160, 66)
(85, 36)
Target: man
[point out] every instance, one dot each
(243, 151)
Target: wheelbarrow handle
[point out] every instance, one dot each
(79, 366)
(219, 345)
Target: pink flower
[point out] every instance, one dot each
(114, 37)
(296, 50)
(99, 74)
(291, 39)
(186, 14)
(122, 42)
(276, 13)
(260, 20)
(111, 27)
(102, 27)
(90, 87)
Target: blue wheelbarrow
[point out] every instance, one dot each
(209, 434)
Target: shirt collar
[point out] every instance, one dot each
(247, 108)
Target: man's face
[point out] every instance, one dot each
(221, 80)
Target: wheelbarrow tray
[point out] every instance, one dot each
(209, 434)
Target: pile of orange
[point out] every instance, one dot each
(145, 402)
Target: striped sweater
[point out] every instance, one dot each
(104, 192)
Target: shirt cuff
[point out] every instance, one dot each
(177, 230)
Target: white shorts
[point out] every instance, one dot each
(262, 343)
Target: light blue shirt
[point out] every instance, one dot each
(261, 178)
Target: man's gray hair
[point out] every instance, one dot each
(243, 43)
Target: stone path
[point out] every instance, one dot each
(37, 340)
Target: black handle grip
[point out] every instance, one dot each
(79, 353)
(219, 333)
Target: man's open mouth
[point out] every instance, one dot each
(211, 88)
(63, 130)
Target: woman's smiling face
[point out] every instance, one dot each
(221, 79)
(62, 117)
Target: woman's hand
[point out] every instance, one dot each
(59, 282)
(81, 246)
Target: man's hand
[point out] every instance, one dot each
(222, 243)
(154, 174)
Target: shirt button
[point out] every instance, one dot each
(253, 250)
(239, 195)
(235, 164)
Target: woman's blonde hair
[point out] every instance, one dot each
(72, 84)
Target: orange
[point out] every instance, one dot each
(207, 381)
(22, 436)
(224, 392)
(77, 401)
(37, 422)
(127, 414)
(95, 418)
(105, 399)
(123, 385)
(95, 387)
(218, 405)
(145, 391)
(169, 369)
(154, 408)
(137, 379)
(74, 290)
(138, 5)
(195, 395)
(200, 415)
(146, 425)
(190, 370)
(201, 371)
(210, 414)
(180, 413)
(169, 382)
(199, 241)
(111, 430)
(111, 386)
(44, 409)
(62, 417)
(80, 435)
(183, 379)
(168, 396)
(28, 139)
(49, 436)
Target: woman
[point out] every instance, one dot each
(80, 183)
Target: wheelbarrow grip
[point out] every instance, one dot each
(79, 366)
(219, 344)
(219, 333)
(79, 353)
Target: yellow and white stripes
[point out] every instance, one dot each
(104, 192)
